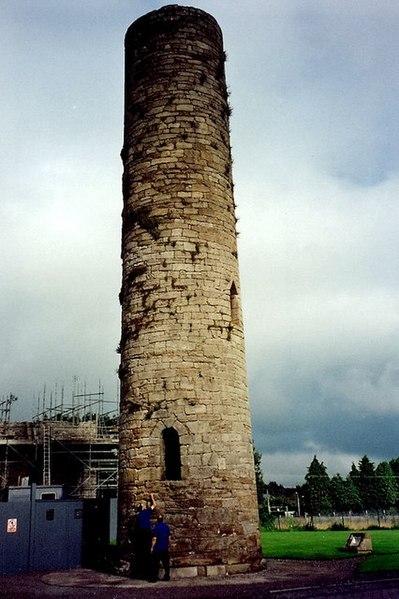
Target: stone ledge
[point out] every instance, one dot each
(211, 571)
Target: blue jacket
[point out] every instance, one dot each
(161, 532)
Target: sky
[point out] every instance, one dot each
(315, 135)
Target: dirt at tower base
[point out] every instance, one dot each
(185, 429)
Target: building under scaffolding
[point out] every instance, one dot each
(75, 444)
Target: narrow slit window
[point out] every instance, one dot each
(234, 306)
(172, 454)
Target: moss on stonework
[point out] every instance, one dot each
(136, 271)
(154, 408)
(143, 218)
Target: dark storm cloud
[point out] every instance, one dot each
(314, 92)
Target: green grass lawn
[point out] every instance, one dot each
(304, 544)
(329, 545)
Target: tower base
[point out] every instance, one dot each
(212, 571)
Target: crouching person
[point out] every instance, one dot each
(160, 550)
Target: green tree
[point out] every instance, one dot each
(394, 463)
(261, 488)
(386, 486)
(344, 494)
(353, 497)
(317, 489)
(365, 480)
(354, 473)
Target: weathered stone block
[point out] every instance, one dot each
(219, 570)
(188, 572)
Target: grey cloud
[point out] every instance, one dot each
(314, 131)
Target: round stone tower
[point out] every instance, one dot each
(185, 430)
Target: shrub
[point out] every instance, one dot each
(267, 520)
(293, 524)
(338, 526)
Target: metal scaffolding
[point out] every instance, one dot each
(5, 417)
(74, 442)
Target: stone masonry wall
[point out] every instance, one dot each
(182, 346)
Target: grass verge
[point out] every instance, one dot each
(379, 563)
(329, 545)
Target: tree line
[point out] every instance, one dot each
(366, 487)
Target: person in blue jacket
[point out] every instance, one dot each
(160, 549)
(143, 538)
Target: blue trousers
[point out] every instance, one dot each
(160, 557)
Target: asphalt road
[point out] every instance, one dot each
(32, 587)
(377, 589)
(289, 579)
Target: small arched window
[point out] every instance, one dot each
(234, 306)
(172, 454)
